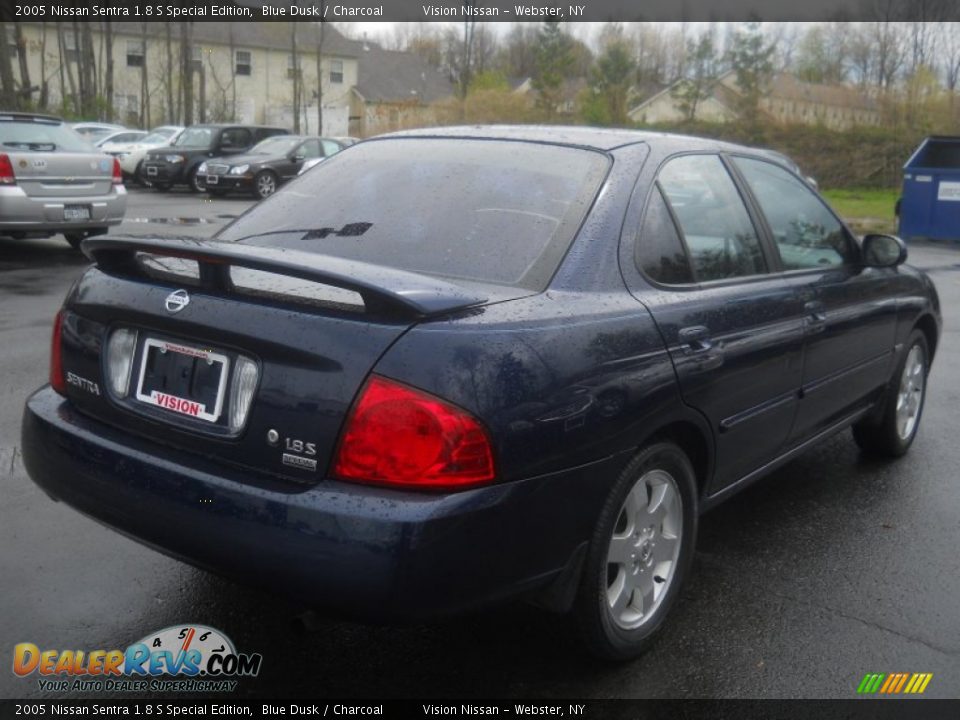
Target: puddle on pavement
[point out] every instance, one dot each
(171, 221)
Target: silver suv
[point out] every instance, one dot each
(52, 181)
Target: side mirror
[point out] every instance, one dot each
(883, 251)
(297, 158)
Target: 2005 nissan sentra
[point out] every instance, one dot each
(456, 366)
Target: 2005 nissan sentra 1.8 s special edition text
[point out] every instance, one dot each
(451, 367)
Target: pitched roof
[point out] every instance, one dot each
(269, 35)
(395, 76)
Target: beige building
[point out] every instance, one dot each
(788, 100)
(242, 71)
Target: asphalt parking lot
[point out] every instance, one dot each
(833, 567)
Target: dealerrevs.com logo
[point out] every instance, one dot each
(180, 658)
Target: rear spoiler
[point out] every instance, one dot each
(383, 289)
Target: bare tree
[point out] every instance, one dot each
(26, 87)
(951, 55)
(173, 111)
(296, 78)
(186, 64)
(107, 36)
(66, 69)
(320, 33)
(466, 66)
(9, 97)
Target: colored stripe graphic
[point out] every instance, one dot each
(894, 683)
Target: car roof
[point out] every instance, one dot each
(581, 136)
(28, 116)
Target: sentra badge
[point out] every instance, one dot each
(176, 301)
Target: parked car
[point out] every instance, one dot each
(267, 165)
(179, 163)
(454, 366)
(331, 146)
(120, 142)
(52, 181)
(131, 162)
(93, 132)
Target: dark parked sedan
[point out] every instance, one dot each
(179, 163)
(266, 166)
(452, 367)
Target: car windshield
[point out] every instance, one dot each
(490, 211)
(157, 137)
(41, 136)
(195, 137)
(276, 145)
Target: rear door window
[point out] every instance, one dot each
(485, 210)
(807, 234)
(235, 139)
(720, 237)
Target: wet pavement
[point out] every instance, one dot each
(832, 567)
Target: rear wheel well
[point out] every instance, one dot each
(691, 440)
(928, 327)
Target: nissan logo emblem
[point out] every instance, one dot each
(176, 301)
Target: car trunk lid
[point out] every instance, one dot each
(62, 174)
(312, 352)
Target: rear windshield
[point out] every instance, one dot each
(40, 136)
(490, 211)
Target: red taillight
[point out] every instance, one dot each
(399, 436)
(6, 171)
(57, 380)
(117, 173)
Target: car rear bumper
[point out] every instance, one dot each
(370, 553)
(22, 212)
(164, 172)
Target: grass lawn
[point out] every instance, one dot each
(865, 210)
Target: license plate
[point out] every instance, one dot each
(213, 179)
(76, 212)
(151, 170)
(183, 379)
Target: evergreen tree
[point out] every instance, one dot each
(554, 61)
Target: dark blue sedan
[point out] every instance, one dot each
(452, 367)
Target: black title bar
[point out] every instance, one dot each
(479, 10)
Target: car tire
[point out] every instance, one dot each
(74, 239)
(641, 551)
(264, 184)
(139, 176)
(196, 184)
(893, 433)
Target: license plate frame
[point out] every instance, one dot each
(76, 213)
(174, 404)
(213, 179)
(152, 170)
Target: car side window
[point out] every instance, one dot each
(719, 235)
(235, 138)
(309, 149)
(330, 148)
(659, 251)
(806, 233)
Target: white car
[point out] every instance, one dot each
(94, 132)
(119, 143)
(134, 155)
